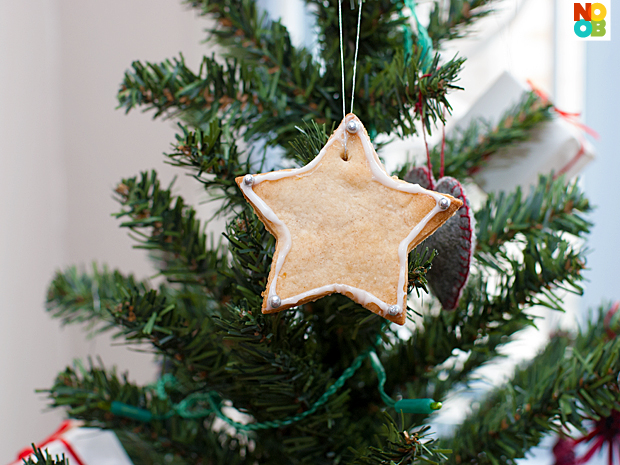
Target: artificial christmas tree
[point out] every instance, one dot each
(328, 381)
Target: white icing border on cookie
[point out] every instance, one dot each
(378, 174)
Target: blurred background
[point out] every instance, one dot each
(64, 147)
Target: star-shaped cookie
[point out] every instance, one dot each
(342, 224)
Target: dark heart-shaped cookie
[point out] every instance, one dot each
(420, 175)
(454, 241)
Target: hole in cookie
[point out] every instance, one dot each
(344, 156)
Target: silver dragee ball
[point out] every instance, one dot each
(394, 310)
(248, 179)
(275, 301)
(443, 203)
(352, 126)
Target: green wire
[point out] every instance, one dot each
(381, 376)
(188, 407)
(290, 420)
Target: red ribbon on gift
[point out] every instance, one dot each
(57, 436)
(572, 118)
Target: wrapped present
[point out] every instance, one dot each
(82, 446)
(557, 146)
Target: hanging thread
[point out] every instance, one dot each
(357, 41)
(443, 145)
(429, 165)
(344, 110)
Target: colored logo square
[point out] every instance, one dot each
(591, 20)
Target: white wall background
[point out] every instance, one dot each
(63, 148)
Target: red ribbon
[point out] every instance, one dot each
(572, 118)
(574, 160)
(57, 436)
(428, 160)
(607, 321)
(568, 116)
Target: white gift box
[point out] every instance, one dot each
(557, 145)
(83, 446)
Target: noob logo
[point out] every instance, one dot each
(592, 20)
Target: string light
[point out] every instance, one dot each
(193, 405)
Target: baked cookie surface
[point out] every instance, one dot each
(343, 225)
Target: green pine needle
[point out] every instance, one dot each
(41, 458)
